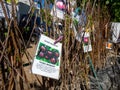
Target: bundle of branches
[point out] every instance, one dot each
(11, 51)
(74, 63)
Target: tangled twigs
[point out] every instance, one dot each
(11, 53)
(74, 66)
(6, 41)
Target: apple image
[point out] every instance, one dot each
(53, 60)
(46, 57)
(56, 54)
(41, 54)
(42, 48)
(49, 53)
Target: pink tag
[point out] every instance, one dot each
(58, 40)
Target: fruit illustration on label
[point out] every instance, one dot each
(41, 54)
(48, 54)
(53, 60)
(56, 54)
(42, 48)
(46, 57)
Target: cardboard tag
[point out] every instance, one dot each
(47, 58)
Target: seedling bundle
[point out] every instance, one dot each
(70, 44)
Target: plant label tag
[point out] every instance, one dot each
(47, 58)
(87, 42)
(115, 27)
(58, 9)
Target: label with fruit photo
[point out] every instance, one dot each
(59, 9)
(87, 47)
(47, 58)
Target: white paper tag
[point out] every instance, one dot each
(115, 27)
(57, 13)
(47, 58)
(58, 9)
(87, 47)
